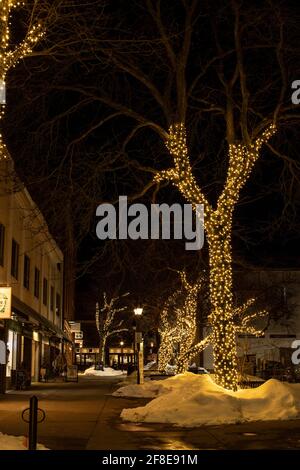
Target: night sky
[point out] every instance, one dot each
(71, 155)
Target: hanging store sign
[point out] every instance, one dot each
(78, 334)
(5, 302)
(75, 326)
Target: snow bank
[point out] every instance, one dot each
(150, 389)
(149, 365)
(107, 372)
(15, 443)
(190, 400)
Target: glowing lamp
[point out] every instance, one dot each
(138, 311)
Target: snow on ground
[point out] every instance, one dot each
(149, 365)
(16, 443)
(150, 389)
(107, 372)
(190, 400)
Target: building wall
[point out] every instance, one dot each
(24, 223)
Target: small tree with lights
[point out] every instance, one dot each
(106, 322)
(178, 324)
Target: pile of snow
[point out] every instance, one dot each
(150, 389)
(190, 400)
(149, 365)
(107, 372)
(16, 443)
(170, 370)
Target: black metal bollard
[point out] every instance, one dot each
(33, 415)
(33, 421)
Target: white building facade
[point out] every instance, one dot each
(32, 265)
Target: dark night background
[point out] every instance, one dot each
(71, 160)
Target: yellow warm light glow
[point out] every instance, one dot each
(218, 227)
(138, 311)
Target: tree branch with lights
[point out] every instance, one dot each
(11, 55)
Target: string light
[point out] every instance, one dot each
(218, 227)
(10, 56)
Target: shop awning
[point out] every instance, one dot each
(29, 314)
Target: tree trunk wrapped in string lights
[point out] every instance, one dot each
(178, 324)
(10, 56)
(165, 330)
(218, 227)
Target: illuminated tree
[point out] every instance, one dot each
(166, 332)
(218, 227)
(11, 55)
(178, 324)
(106, 322)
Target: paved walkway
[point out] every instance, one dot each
(84, 415)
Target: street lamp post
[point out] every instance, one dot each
(139, 347)
(122, 357)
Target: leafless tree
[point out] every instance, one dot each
(107, 323)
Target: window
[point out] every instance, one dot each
(15, 259)
(45, 291)
(58, 305)
(26, 277)
(52, 298)
(2, 239)
(36, 283)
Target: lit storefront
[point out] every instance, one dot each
(118, 358)
(32, 342)
(121, 358)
